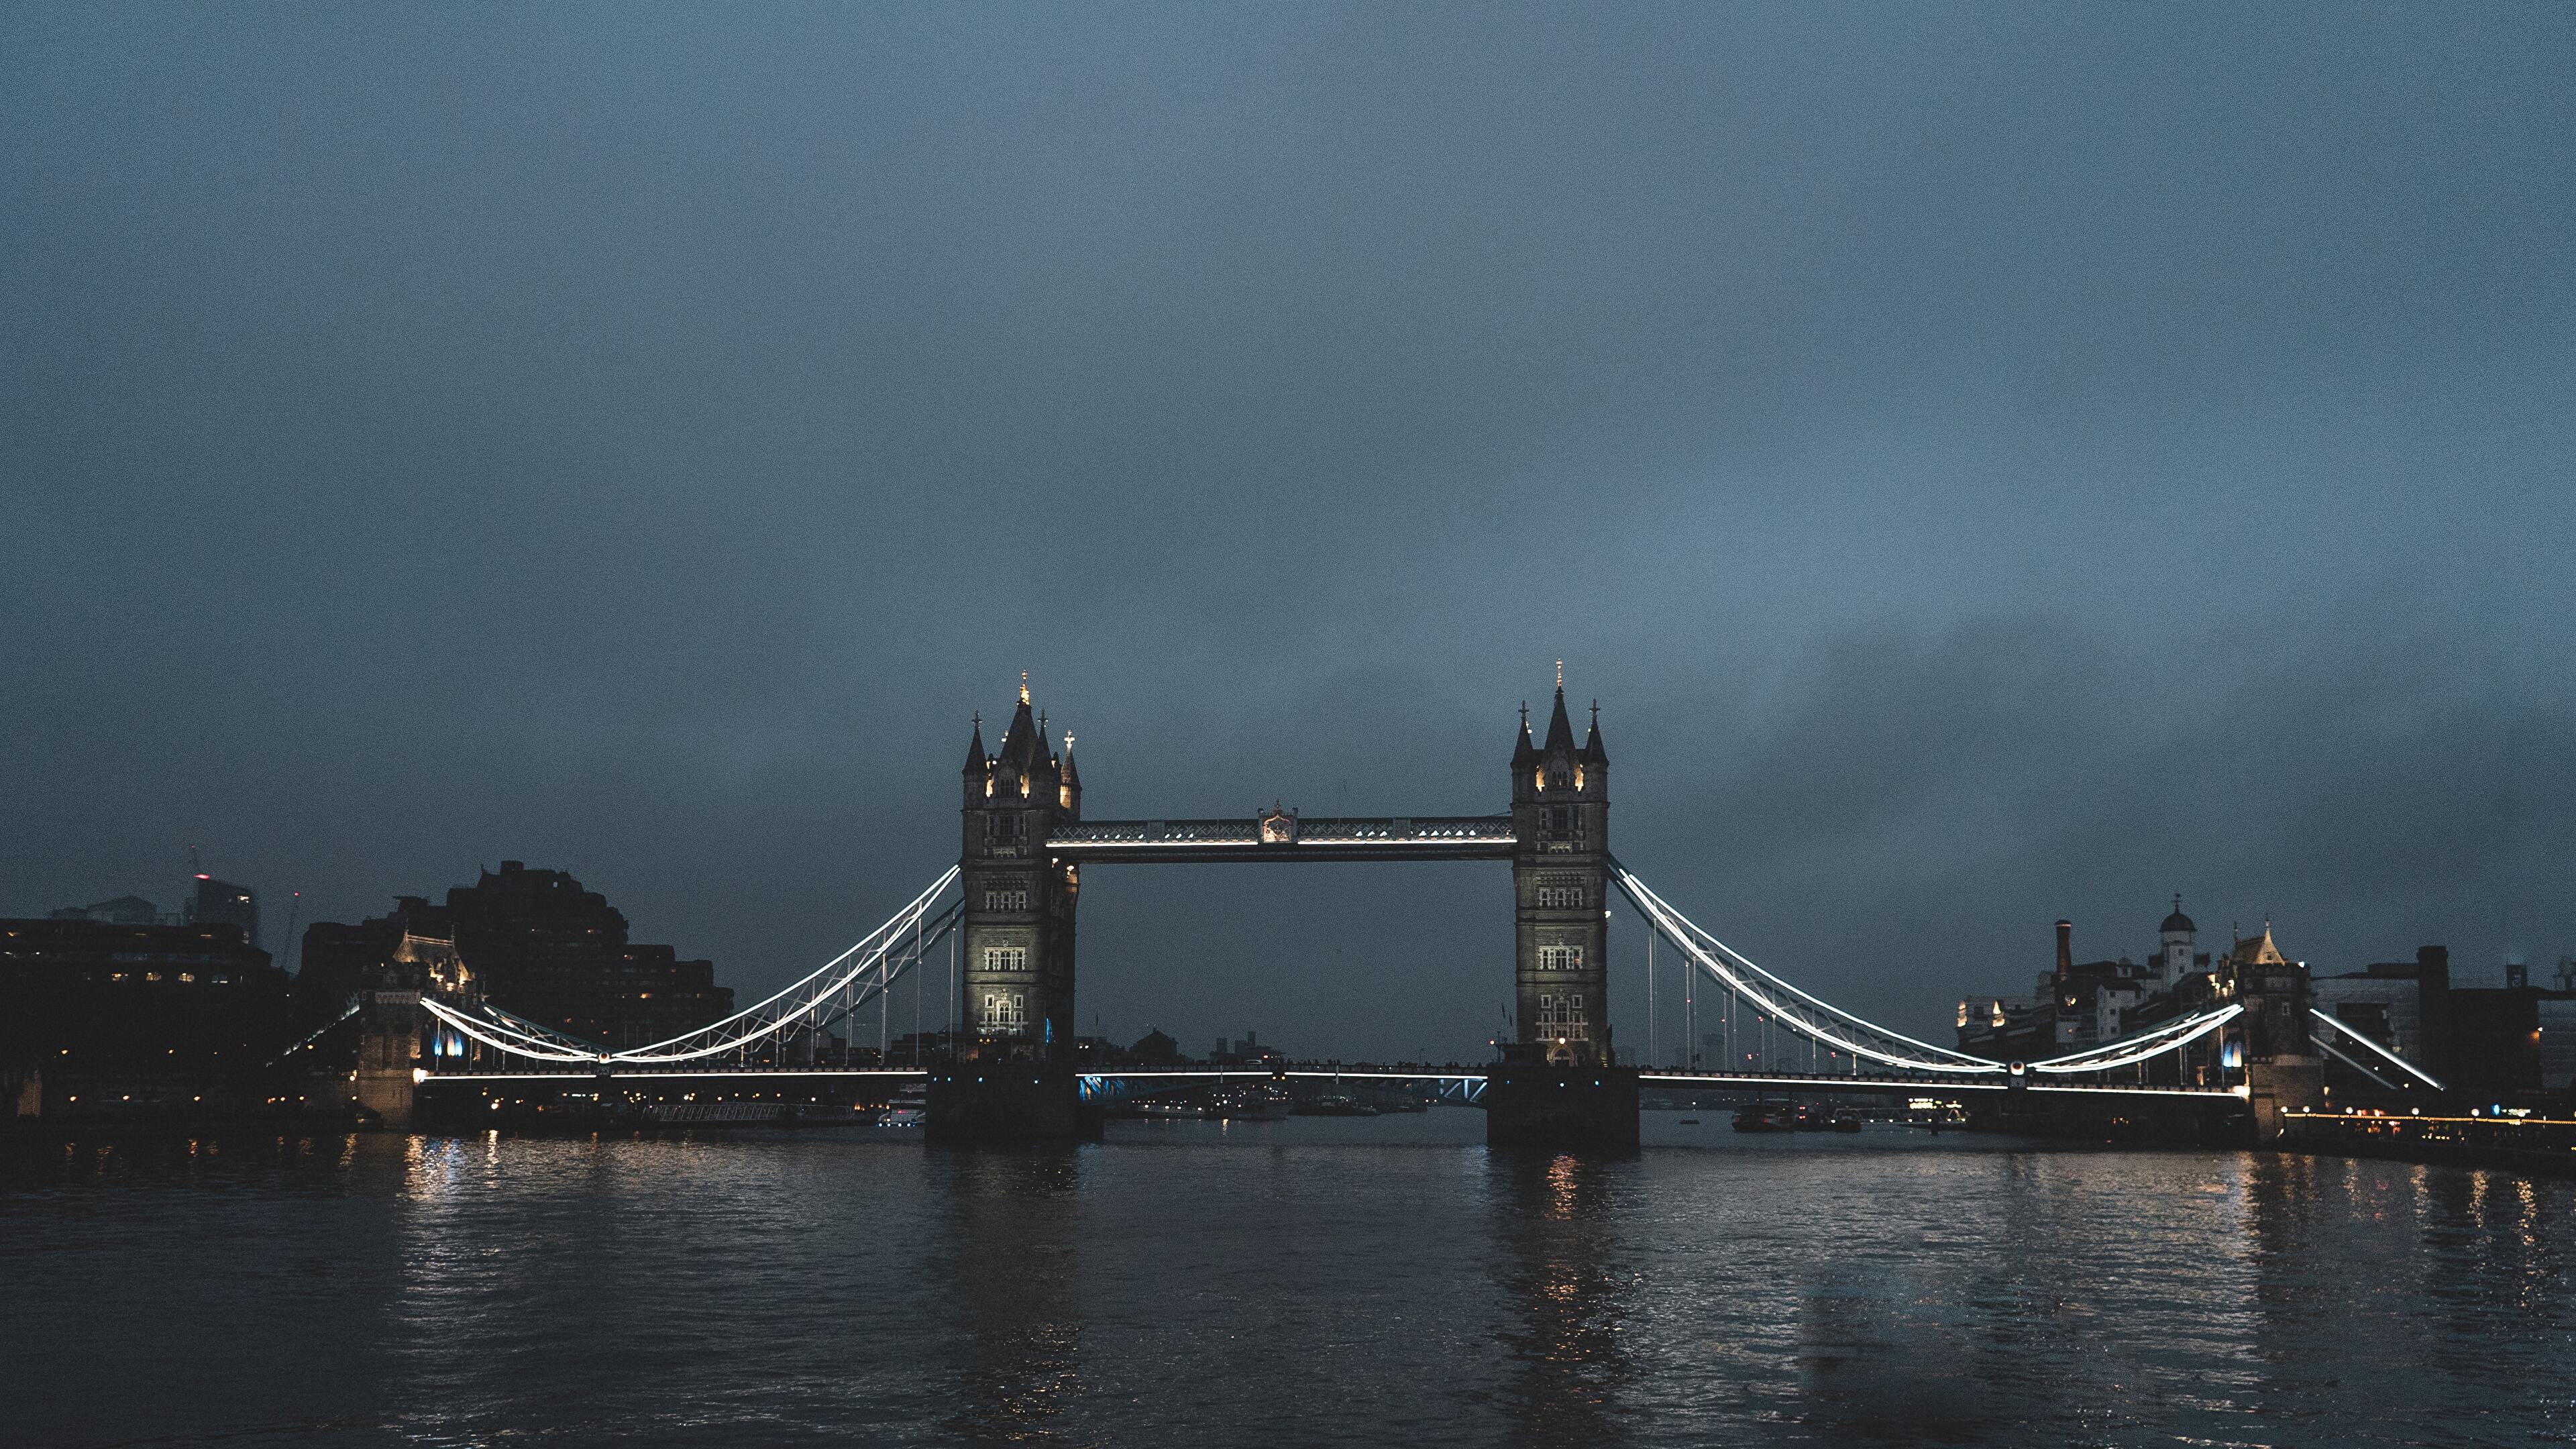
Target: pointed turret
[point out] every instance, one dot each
(1560, 730)
(1024, 750)
(975, 756)
(1524, 752)
(1593, 752)
(2257, 950)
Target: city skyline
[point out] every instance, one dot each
(1189, 1007)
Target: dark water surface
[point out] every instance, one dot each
(1303, 1282)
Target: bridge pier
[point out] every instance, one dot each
(1009, 1102)
(1561, 1107)
(389, 1057)
(2283, 1072)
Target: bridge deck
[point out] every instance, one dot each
(1420, 837)
(1403, 1072)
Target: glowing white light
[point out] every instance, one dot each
(2344, 1030)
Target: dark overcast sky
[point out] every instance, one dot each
(1990, 463)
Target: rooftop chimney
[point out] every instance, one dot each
(2065, 949)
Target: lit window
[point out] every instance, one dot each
(1005, 1013)
(1560, 958)
(1561, 1016)
(1006, 958)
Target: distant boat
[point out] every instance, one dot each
(1254, 1104)
(1766, 1117)
(910, 1108)
(1335, 1105)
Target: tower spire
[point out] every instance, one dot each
(1560, 730)
(1024, 686)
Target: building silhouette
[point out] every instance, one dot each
(222, 903)
(536, 943)
(121, 911)
(103, 1018)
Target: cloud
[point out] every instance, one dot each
(1986, 469)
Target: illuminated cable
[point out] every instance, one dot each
(1636, 889)
(2345, 1028)
(1681, 930)
(2163, 1042)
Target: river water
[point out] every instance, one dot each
(1307, 1282)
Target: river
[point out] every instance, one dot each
(1306, 1282)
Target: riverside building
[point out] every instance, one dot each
(537, 944)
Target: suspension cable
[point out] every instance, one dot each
(2345, 1030)
(865, 971)
(2130, 1050)
(1735, 970)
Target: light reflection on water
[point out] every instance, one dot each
(1316, 1281)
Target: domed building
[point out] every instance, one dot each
(2177, 958)
(2079, 1003)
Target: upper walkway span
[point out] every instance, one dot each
(1280, 837)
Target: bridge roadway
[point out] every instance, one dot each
(1462, 1083)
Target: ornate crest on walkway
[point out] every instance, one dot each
(1278, 826)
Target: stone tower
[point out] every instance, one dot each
(2283, 1073)
(1018, 928)
(2179, 938)
(1560, 884)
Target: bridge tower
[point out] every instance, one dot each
(1012, 1070)
(1560, 885)
(2283, 1071)
(1559, 1084)
(387, 1081)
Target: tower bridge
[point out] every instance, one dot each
(1006, 917)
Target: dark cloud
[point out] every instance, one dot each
(1990, 465)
